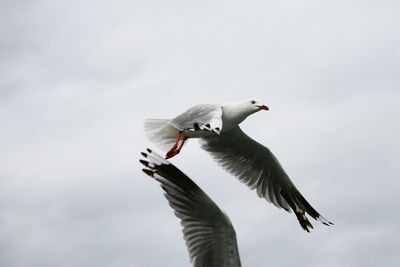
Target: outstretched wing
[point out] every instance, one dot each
(200, 117)
(208, 232)
(258, 168)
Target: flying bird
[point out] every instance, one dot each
(208, 232)
(217, 126)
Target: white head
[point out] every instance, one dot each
(248, 106)
(238, 111)
(254, 105)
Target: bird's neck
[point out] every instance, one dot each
(232, 115)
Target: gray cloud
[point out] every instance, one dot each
(78, 79)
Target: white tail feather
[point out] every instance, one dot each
(161, 132)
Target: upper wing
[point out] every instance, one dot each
(200, 117)
(258, 168)
(208, 232)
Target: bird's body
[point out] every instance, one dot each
(252, 163)
(208, 232)
(199, 116)
(199, 121)
(220, 117)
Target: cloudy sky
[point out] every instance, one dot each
(78, 78)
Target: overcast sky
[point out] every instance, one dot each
(78, 78)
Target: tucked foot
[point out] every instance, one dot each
(172, 153)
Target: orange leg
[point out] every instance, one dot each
(182, 143)
(173, 151)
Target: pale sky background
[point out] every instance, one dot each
(78, 78)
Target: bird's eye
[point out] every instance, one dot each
(253, 102)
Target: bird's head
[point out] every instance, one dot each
(250, 106)
(256, 105)
(236, 112)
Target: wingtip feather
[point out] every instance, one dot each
(145, 163)
(148, 172)
(324, 221)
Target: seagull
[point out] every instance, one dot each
(217, 127)
(208, 232)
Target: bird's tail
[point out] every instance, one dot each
(161, 132)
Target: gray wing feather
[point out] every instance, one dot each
(258, 168)
(208, 232)
(205, 116)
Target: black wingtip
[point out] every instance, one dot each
(330, 223)
(306, 226)
(149, 150)
(143, 154)
(324, 221)
(307, 229)
(145, 163)
(148, 172)
(304, 222)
